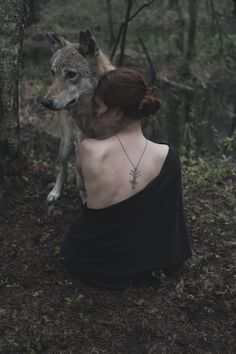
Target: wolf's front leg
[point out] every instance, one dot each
(61, 177)
(66, 145)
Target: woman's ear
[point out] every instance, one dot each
(119, 115)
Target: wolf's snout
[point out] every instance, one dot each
(46, 102)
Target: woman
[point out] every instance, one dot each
(132, 220)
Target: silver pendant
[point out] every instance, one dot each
(135, 174)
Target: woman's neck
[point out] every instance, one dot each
(130, 127)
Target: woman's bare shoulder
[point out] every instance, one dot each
(96, 148)
(91, 143)
(158, 155)
(160, 149)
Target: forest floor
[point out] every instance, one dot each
(43, 309)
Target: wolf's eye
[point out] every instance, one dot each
(70, 74)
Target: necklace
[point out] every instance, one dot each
(134, 172)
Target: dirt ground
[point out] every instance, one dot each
(44, 310)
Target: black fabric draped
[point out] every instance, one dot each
(113, 246)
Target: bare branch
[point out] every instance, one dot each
(153, 71)
(124, 28)
(117, 40)
(148, 3)
(124, 32)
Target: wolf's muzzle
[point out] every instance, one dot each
(46, 102)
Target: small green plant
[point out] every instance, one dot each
(74, 299)
(37, 293)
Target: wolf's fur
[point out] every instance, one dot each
(88, 63)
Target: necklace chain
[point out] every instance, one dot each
(134, 173)
(136, 167)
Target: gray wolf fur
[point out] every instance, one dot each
(76, 69)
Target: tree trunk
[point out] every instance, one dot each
(124, 33)
(180, 30)
(110, 23)
(32, 12)
(188, 127)
(191, 48)
(11, 35)
(173, 4)
(216, 24)
(234, 8)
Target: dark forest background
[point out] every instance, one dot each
(186, 48)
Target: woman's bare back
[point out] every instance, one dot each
(107, 170)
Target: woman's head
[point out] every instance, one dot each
(125, 89)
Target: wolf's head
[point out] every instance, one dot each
(76, 68)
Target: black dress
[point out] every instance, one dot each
(114, 246)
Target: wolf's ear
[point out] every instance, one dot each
(87, 44)
(56, 41)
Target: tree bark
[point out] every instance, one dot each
(11, 36)
(191, 49)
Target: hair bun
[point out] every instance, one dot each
(150, 104)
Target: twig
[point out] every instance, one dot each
(153, 71)
(124, 26)
(117, 40)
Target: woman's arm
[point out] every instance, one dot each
(80, 178)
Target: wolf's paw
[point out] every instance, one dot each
(53, 196)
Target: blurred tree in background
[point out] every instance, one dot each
(11, 36)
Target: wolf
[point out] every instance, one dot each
(76, 69)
